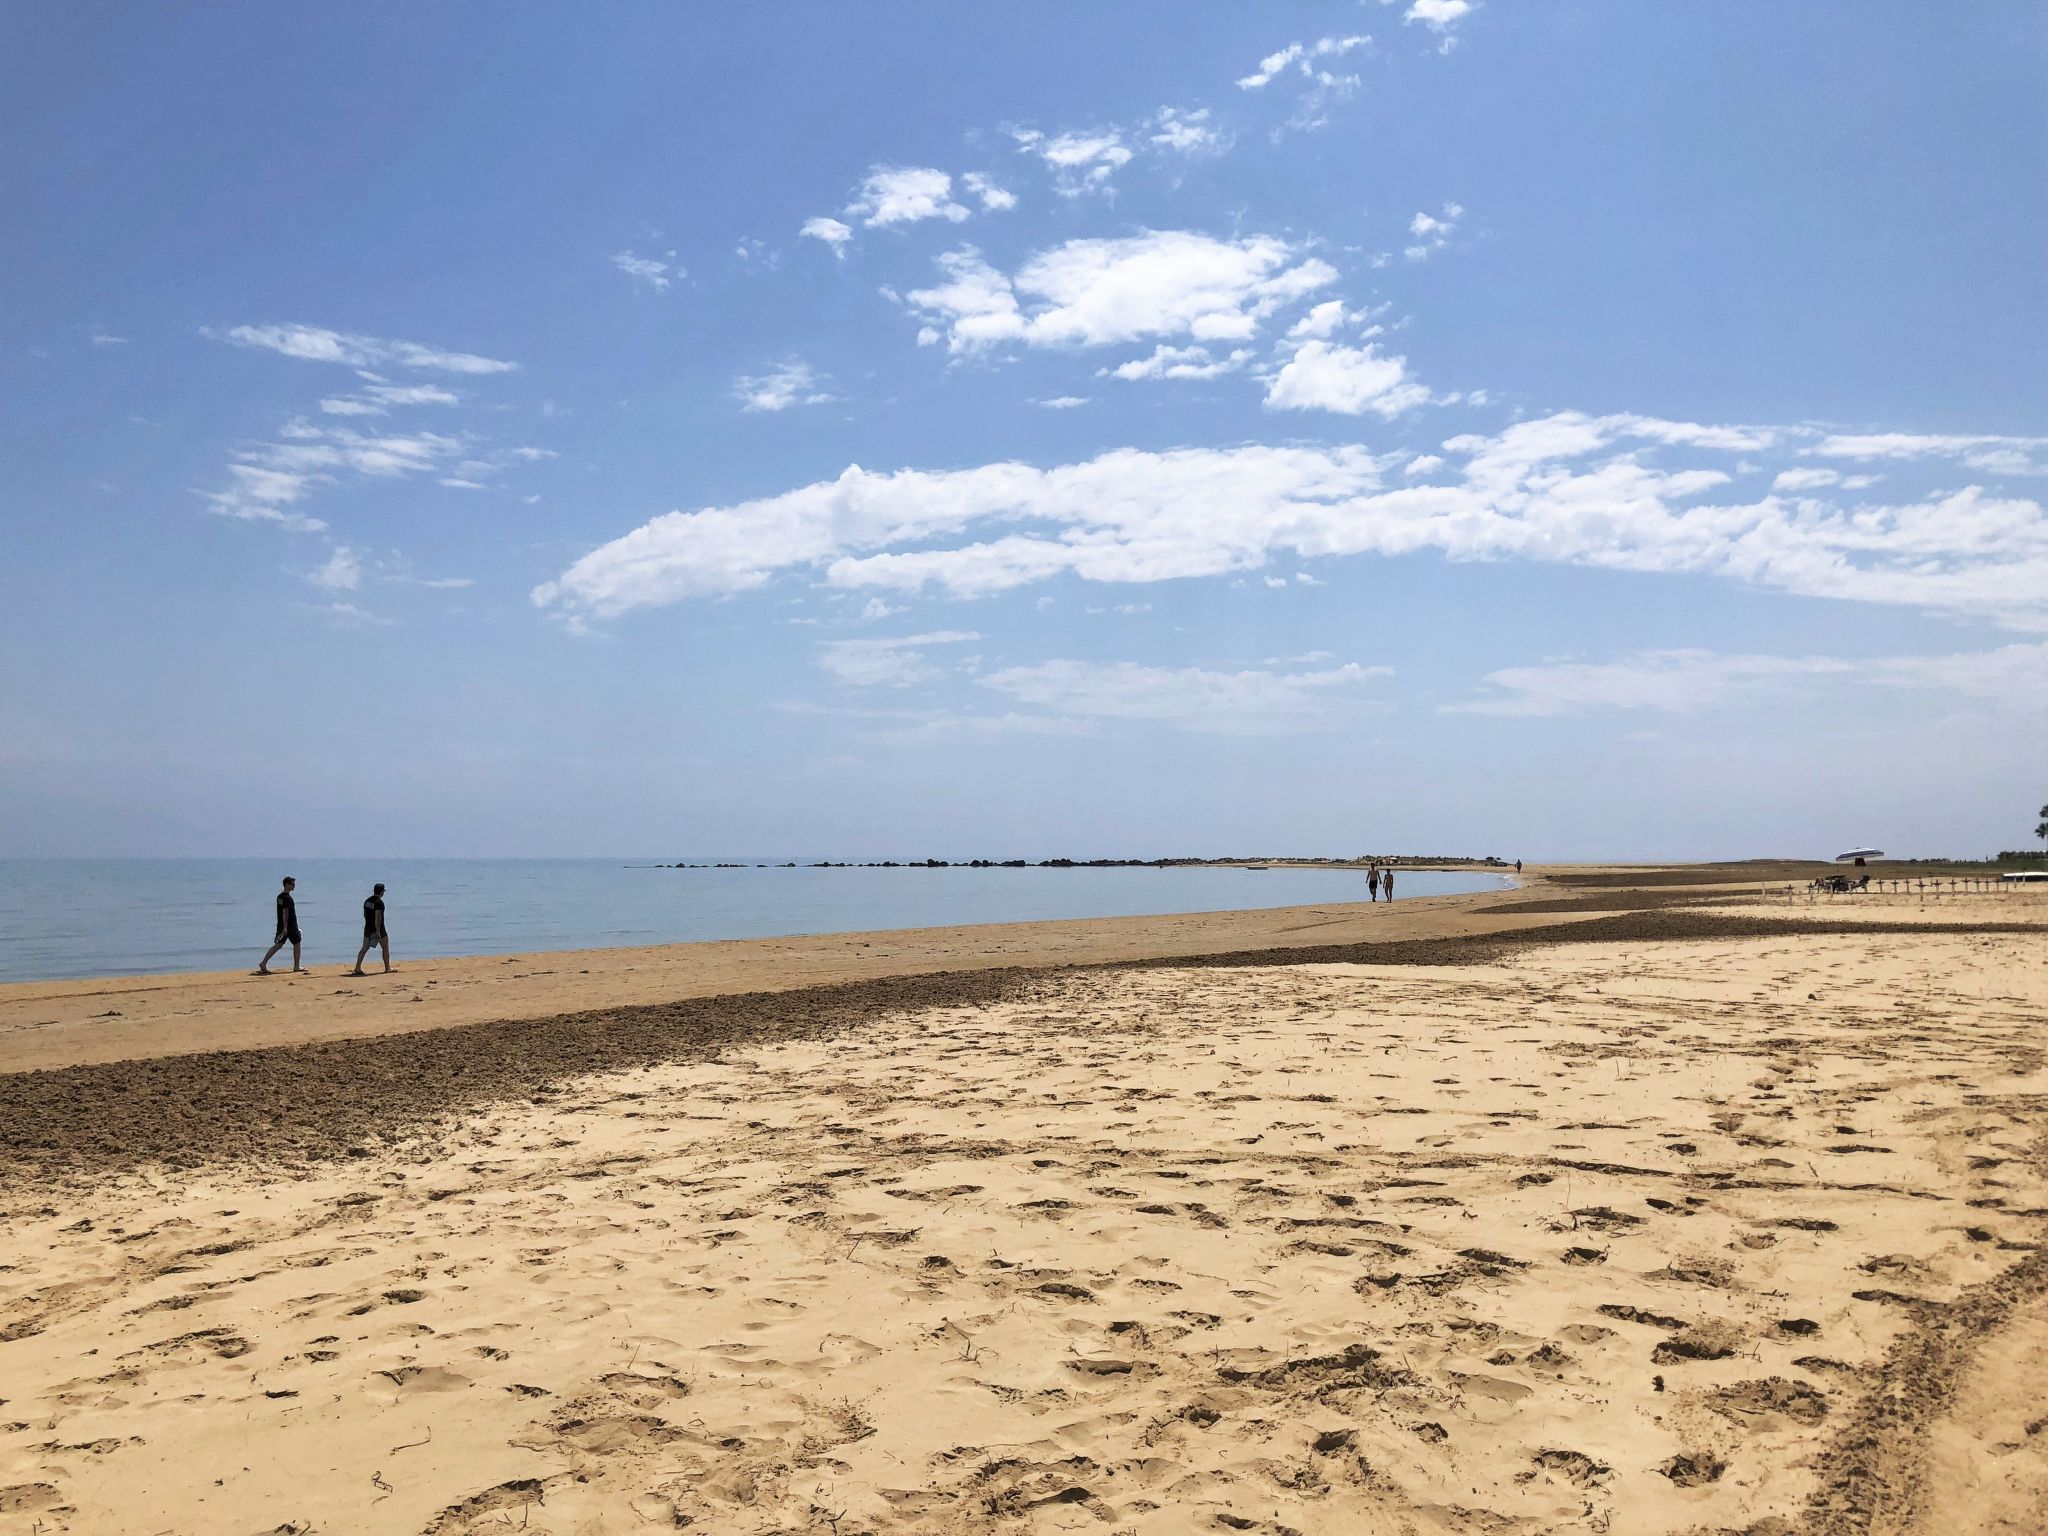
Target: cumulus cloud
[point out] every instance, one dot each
(793, 383)
(1440, 16)
(648, 270)
(1097, 292)
(994, 199)
(904, 194)
(1322, 376)
(1179, 363)
(831, 231)
(1080, 162)
(1568, 488)
(1250, 702)
(316, 344)
(1688, 681)
(888, 661)
(343, 571)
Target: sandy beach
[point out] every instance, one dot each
(1638, 1207)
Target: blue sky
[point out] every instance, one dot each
(1543, 429)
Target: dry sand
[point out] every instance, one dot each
(1732, 1225)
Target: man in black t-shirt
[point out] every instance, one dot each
(287, 929)
(373, 930)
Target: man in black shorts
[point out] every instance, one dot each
(373, 930)
(287, 929)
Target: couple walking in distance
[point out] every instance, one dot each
(288, 930)
(1377, 879)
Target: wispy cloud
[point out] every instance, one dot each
(312, 343)
(791, 383)
(1690, 681)
(1179, 363)
(649, 271)
(891, 661)
(1253, 701)
(1080, 162)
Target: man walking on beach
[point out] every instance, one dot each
(373, 930)
(1372, 881)
(287, 929)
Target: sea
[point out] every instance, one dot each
(66, 918)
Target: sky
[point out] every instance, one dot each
(1548, 430)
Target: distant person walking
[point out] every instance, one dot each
(287, 929)
(1387, 883)
(1372, 881)
(373, 930)
(1518, 866)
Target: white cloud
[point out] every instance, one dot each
(1186, 131)
(377, 399)
(105, 339)
(1300, 58)
(1688, 681)
(356, 618)
(874, 608)
(994, 199)
(793, 383)
(894, 661)
(1062, 402)
(343, 571)
(1308, 63)
(1323, 319)
(1080, 162)
(1095, 292)
(656, 274)
(831, 231)
(266, 478)
(1431, 233)
(1422, 464)
(1250, 702)
(1438, 15)
(315, 344)
(1996, 454)
(1348, 380)
(1563, 489)
(904, 194)
(1179, 363)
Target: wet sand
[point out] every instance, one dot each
(1715, 1219)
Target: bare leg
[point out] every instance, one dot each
(296, 967)
(359, 958)
(263, 965)
(384, 943)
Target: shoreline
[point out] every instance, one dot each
(45, 1024)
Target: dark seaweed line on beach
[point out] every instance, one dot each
(340, 1099)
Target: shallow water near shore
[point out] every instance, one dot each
(64, 918)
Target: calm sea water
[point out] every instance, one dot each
(104, 917)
